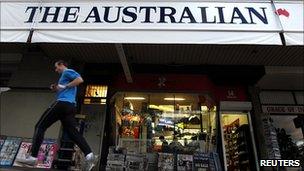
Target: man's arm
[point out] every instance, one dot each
(75, 82)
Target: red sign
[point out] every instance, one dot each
(168, 82)
(181, 83)
(231, 93)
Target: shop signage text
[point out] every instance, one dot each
(283, 109)
(164, 14)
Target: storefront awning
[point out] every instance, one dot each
(291, 19)
(170, 22)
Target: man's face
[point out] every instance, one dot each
(59, 68)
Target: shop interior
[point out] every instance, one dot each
(164, 122)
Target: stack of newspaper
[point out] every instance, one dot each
(116, 161)
(152, 159)
(136, 161)
(165, 162)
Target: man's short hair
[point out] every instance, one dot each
(61, 62)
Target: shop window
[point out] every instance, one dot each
(96, 91)
(164, 122)
(95, 94)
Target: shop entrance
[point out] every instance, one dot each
(239, 151)
(237, 141)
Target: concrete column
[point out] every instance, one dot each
(257, 116)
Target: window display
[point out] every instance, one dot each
(164, 122)
(95, 94)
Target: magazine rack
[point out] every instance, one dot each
(138, 154)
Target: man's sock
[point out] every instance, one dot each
(89, 156)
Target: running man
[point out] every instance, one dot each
(64, 110)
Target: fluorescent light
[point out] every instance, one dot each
(176, 99)
(134, 98)
(163, 107)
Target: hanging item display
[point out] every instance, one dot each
(130, 121)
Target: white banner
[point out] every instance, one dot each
(142, 22)
(291, 16)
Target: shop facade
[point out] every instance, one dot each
(170, 120)
(181, 117)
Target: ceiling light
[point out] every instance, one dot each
(134, 98)
(204, 108)
(174, 99)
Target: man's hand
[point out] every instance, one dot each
(60, 87)
(57, 87)
(53, 87)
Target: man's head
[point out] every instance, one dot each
(60, 66)
(161, 138)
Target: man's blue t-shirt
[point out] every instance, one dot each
(67, 94)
